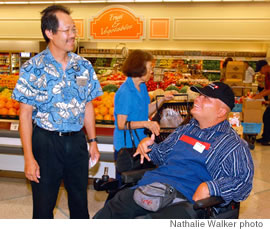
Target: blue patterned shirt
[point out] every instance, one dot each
(58, 97)
(228, 161)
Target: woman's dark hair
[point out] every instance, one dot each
(226, 62)
(49, 20)
(260, 64)
(135, 64)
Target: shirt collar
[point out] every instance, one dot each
(131, 84)
(49, 55)
(223, 127)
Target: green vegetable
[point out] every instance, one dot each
(110, 88)
(172, 87)
(2, 88)
(184, 89)
(198, 85)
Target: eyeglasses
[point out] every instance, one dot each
(69, 31)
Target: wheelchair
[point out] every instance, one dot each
(208, 208)
(203, 209)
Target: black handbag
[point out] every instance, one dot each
(125, 160)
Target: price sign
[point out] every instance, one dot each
(158, 74)
(14, 126)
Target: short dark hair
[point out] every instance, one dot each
(49, 20)
(224, 65)
(260, 64)
(135, 64)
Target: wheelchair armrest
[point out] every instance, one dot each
(208, 202)
(133, 176)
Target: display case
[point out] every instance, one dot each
(9, 62)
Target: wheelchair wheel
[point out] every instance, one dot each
(250, 138)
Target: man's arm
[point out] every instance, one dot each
(90, 127)
(263, 93)
(31, 167)
(237, 171)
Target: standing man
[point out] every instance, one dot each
(264, 69)
(55, 90)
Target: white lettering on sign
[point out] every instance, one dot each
(116, 26)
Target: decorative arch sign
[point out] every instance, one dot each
(117, 23)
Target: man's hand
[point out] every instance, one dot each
(143, 149)
(202, 192)
(256, 96)
(94, 152)
(31, 170)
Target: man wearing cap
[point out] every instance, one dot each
(203, 158)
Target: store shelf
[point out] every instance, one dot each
(9, 62)
(211, 71)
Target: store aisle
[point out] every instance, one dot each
(16, 200)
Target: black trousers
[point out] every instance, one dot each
(60, 158)
(122, 206)
(266, 124)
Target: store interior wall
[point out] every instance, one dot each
(152, 10)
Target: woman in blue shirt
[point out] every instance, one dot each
(132, 102)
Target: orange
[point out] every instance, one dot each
(9, 104)
(3, 111)
(112, 94)
(2, 103)
(95, 103)
(105, 93)
(16, 105)
(99, 117)
(109, 103)
(96, 111)
(12, 111)
(18, 112)
(3, 98)
(107, 117)
(103, 110)
(111, 110)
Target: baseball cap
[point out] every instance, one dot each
(217, 90)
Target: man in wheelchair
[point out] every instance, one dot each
(203, 158)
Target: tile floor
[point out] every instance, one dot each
(16, 200)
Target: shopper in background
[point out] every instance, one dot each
(264, 72)
(223, 70)
(203, 158)
(132, 102)
(55, 90)
(259, 76)
(249, 74)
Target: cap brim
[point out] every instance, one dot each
(202, 91)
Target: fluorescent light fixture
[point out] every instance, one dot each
(149, 1)
(41, 2)
(237, 0)
(16, 3)
(206, 0)
(93, 1)
(120, 1)
(61, 2)
(176, 0)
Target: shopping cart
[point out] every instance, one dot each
(180, 104)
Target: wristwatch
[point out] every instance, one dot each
(92, 140)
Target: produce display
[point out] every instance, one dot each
(104, 108)
(9, 108)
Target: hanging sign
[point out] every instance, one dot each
(117, 23)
